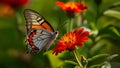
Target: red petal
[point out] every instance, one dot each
(86, 33)
(81, 30)
(61, 4)
(59, 48)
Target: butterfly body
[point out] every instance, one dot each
(40, 33)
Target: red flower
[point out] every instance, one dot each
(70, 40)
(6, 11)
(71, 7)
(15, 3)
(8, 7)
(81, 36)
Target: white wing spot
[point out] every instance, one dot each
(41, 21)
(35, 23)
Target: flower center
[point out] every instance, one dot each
(71, 5)
(69, 39)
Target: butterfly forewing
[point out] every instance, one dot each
(39, 32)
(36, 21)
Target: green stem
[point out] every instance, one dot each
(70, 24)
(82, 18)
(78, 21)
(74, 51)
(77, 58)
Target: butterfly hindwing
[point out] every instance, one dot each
(41, 37)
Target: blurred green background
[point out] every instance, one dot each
(102, 18)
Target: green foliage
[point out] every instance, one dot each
(100, 60)
(102, 19)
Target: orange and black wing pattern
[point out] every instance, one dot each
(36, 21)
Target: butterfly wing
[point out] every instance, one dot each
(43, 38)
(36, 21)
(39, 32)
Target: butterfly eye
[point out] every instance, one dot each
(56, 32)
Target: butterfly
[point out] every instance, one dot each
(40, 34)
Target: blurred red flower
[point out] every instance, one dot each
(70, 40)
(71, 7)
(8, 7)
(15, 3)
(6, 11)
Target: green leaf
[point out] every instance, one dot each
(107, 65)
(47, 52)
(111, 57)
(71, 62)
(77, 67)
(95, 66)
(100, 45)
(98, 59)
(112, 13)
(115, 31)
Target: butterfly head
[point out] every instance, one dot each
(56, 33)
